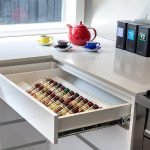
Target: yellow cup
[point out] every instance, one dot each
(44, 39)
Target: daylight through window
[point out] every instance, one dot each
(30, 11)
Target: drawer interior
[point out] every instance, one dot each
(45, 120)
(29, 78)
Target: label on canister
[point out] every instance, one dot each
(142, 36)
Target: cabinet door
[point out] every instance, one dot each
(146, 144)
(18, 134)
(7, 114)
(111, 138)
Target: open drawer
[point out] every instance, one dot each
(45, 120)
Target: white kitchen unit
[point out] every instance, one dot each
(7, 114)
(102, 77)
(11, 135)
(45, 120)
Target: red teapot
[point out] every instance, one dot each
(80, 34)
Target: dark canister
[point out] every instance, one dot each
(132, 33)
(143, 41)
(121, 34)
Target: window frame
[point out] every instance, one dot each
(74, 14)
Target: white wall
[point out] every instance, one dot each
(103, 14)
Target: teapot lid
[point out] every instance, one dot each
(81, 25)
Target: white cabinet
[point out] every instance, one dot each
(112, 138)
(18, 134)
(45, 120)
(7, 114)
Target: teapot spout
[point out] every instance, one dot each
(69, 27)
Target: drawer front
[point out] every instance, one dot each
(7, 114)
(146, 144)
(93, 118)
(45, 120)
(22, 68)
(18, 134)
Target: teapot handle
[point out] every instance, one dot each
(95, 33)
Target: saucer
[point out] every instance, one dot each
(92, 50)
(64, 49)
(45, 44)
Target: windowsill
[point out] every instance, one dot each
(32, 29)
(74, 13)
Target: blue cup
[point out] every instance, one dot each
(92, 45)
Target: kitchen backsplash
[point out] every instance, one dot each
(103, 14)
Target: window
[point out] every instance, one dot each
(30, 11)
(38, 16)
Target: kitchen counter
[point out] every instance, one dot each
(118, 68)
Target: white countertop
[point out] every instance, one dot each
(119, 68)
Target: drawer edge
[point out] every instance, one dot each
(92, 118)
(40, 117)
